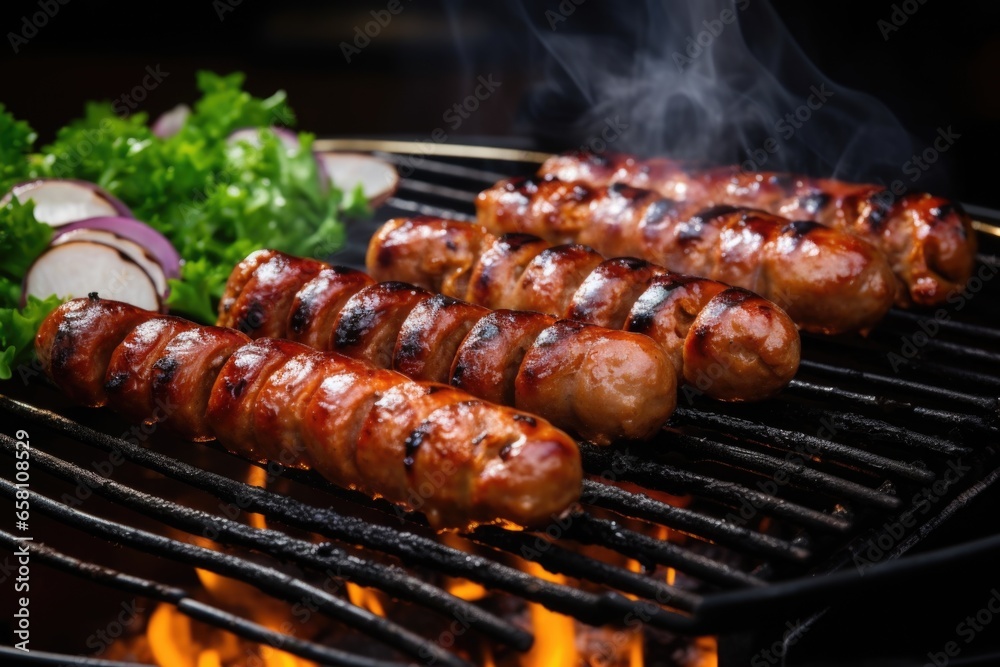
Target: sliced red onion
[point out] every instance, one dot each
(155, 243)
(77, 268)
(170, 122)
(134, 251)
(60, 201)
(378, 178)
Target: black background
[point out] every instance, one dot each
(939, 69)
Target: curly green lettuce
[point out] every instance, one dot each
(22, 238)
(215, 200)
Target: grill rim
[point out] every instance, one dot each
(714, 602)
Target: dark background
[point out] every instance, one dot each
(939, 69)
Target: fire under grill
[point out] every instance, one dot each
(755, 511)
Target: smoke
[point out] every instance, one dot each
(712, 81)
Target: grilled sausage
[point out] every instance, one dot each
(827, 281)
(729, 343)
(929, 241)
(131, 368)
(436, 338)
(435, 448)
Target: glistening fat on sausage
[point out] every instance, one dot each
(464, 459)
(726, 341)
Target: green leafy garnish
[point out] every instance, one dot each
(215, 200)
(22, 238)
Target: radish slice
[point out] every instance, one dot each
(377, 177)
(170, 122)
(61, 201)
(134, 251)
(251, 135)
(78, 268)
(155, 243)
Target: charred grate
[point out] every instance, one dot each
(780, 495)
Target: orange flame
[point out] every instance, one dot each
(469, 591)
(555, 634)
(708, 652)
(365, 598)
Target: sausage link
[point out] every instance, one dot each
(265, 301)
(928, 240)
(438, 338)
(489, 360)
(184, 374)
(317, 304)
(369, 323)
(748, 350)
(131, 368)
(431, 335)
(435, 448)
(803, 267)
(75, 348)
(575, 373)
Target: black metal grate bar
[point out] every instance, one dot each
(895, 318)
(879, 429)
(627, 542)
(426, 209)
(983, 403)
(267, 579)
(13, 656)
(839, 395)
(445, 168)
(186, 605)
(747, 459)
(790, 440)
(596, 609)
(321, 557)
(661, 477)
(688, 522)
(559, 560)
(426, 188)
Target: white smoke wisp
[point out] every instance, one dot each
(711, 81)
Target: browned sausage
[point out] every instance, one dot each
(828, 281)
(929, 241)
(437, 338)
(458, 459)
(431, 335)
(131, 368)
(184, 374)
(75, 348)
(746, 348)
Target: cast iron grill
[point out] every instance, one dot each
(784, 495)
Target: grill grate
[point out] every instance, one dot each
(826, 463)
